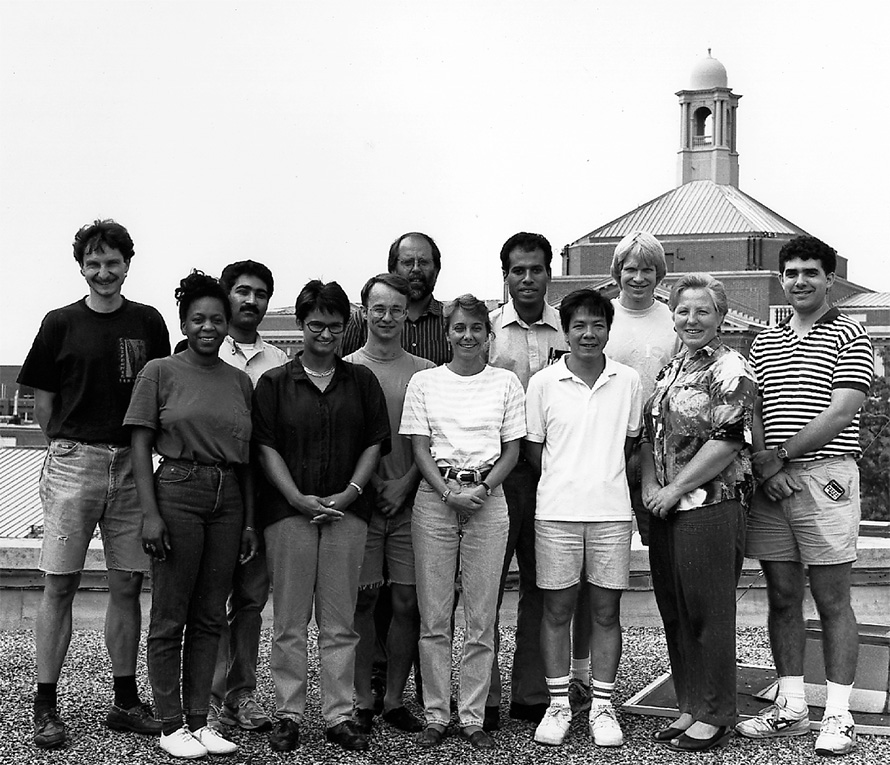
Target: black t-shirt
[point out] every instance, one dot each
(90, 361)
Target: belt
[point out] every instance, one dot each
(224, 466)
(464, 476)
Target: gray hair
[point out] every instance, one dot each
(700, 281)
(645, 248)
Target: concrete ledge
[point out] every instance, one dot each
(21, 583)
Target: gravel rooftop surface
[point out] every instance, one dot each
(85, 693)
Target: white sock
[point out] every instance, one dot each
(791, 689)
(559, 690)
(600, 693)
(837, 700)
(581, 669)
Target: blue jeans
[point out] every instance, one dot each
(527, 684)
(239, 642)
(202, 509)
(695, 557)
(440, 541)
(315, 563)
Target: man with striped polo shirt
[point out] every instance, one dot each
(813, 374)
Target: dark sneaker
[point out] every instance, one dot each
(49, 730)
(285, 735)
(245, 713)
(401, 718)
(138, 719)
(348, 736)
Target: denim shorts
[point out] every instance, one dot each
(83, 485)
(564, 549)
(389, 542)
(812, 526)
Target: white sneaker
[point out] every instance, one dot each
(837, 735)
(554, 725)
(604, 727)
(776, 721)
(213, 742)
(183, 744)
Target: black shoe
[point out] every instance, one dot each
(430, 737)
(364, 720)
(401, 718)
(492, 719)
(663, 735)
(138, 719)
(285, 735)
(49, 730)
(684, 743)
(479, 740)
(347, 735)
(529, 712)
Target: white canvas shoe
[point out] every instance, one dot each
(183, 744)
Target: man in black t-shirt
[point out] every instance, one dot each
(82, 366)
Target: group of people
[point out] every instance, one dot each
(398, 464)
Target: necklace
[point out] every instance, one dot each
(313, 373)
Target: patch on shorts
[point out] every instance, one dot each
(833, 490)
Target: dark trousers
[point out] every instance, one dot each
(695, 559)
(201, 507)
(527, 678)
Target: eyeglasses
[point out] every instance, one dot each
(421, 263)
(379, 311)
(317, 327)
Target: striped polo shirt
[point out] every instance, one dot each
(796, 376)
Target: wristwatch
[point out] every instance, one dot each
(486, 487)
(782, 453)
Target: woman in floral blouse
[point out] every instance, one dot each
(697, 484)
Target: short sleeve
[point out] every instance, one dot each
(40, 369)
(513, 426)
(732, 392)
(855, 365)
(635, 416)
(415, 421)
(144, 410)
(263, 412)
(535, 425)
(376, 417)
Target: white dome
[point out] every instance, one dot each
(707, 74)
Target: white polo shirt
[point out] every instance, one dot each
(583, 431)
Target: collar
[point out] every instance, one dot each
(549, 317)
(708, 350)
(826, 318)
(235, 346)
(564, 373)
(435, 308)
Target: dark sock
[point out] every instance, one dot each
(196, 722)
(46, 696)
(126, 695)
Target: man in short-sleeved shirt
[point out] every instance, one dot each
(526, 336)
(249, 285)
(813, 374)
(82, 366)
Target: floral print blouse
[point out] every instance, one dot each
(700, 396)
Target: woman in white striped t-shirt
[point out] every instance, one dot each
(465, 420)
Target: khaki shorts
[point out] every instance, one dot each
(565, 549)
(810, 526)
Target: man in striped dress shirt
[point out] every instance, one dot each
(813, 374)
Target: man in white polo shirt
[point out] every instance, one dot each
(583, 415)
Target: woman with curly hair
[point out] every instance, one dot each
(194, 409)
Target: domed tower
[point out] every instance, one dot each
(708, 127)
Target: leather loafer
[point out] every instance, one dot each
(479, 740)
(684, 743)
(401, 718)
(663, 735)
(430, 737)
(348, 736)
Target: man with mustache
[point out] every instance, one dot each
(416, 257)
(82, 366)
(249, 286)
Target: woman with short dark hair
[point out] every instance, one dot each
(320, 425)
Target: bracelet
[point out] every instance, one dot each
(445, 495)
(486, 487)
(355, 486)
(250, 528)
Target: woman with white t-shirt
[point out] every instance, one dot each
(465, 420)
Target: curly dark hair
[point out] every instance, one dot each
(199, 285)
(809, 248)
(101, 235)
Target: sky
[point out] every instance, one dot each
(308, 136)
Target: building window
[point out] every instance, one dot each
(704, 127)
